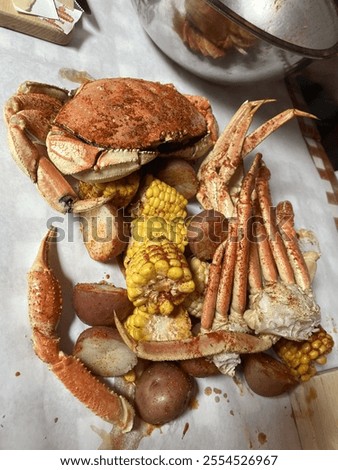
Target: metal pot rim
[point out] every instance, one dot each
(275, 41)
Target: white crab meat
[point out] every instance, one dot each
(226, 362)
(285, 310)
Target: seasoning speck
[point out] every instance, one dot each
(262, 438)
(208, 391)
(17, 373)
(185, 430)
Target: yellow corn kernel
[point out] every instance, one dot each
(187, 287)
(175, 273)
(313, 354)
(134, 292)
(130, 376)
(147, 270)
(321, 360)
(166, 307)
(162, 266)
(138, 279)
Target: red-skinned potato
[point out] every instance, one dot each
(95, 304)
(266, 376)
(103, 232)
(178, 174)
(206, 231)
(163, 392)
(103, 351)
(199, 367)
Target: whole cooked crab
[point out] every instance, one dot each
(101, 132)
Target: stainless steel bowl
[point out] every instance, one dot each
(241, 41)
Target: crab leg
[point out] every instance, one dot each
(207, 344)
(262, 132)
(267, 262)
(254, 275)
(275, 240)
(44, 313)
(227, 274)
(285, 222)
(26, 139)
(244, 212)
(209, 304)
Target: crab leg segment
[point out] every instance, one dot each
(267, 262)
(244, 213)
(262, 132)
(44, 313)
(29, 116)
(275, 240)
(285, 222)
(210, 299)
(25, 138)
(203, 345)
(227, 274)
(254, 275)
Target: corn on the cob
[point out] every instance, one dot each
(156, 228)
(121, 191)
(301, 356)
(160, 200)
(158, 277)
(143, 326)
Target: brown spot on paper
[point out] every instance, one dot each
(208, 391)
(312, 395)
(262, 438)
(185, 430)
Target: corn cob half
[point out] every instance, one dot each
(301, 356)
(158, 277)
(143, 326)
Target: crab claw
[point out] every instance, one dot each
(44, 313)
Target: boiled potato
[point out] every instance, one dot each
(266, 376)
(95, 304)
(103, 351)
(163, 393)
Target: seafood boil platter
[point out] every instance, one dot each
(163, 232)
